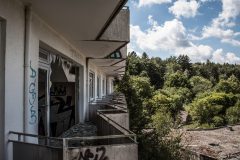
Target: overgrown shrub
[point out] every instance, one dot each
(233, 114)
(204, 109)
(218, 121)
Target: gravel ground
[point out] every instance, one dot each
(221, 143)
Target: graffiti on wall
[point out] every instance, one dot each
(58, 90)
(62, 110)
(32, 95)
(91, 155)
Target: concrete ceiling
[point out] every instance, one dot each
(112, 67)
(115, 71)
(81, 22)
(108, 62)
(77, 19)
(97, 49)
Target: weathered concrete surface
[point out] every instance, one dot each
(219, 143)
(93, 108)
(23, 151)
(110, 152)
(119, 28)
(122, 118)
(106, 127)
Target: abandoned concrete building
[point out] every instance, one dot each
(58, 61)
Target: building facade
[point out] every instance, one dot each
(57, 57)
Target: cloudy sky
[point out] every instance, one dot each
(202, 29)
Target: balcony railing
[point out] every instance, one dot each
(114, 141)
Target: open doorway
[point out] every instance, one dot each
(63, 97)
(58, 94)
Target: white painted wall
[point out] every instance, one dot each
(40, 31)
(13, 12)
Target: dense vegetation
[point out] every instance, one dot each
(157, 91)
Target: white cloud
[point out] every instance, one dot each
(216, 31)
(203, 1)
(220, 57)
(151, 2)
(131, 48)
(231, 41)
(221, 26)
(231, 9)
(197, 53)
(172, 37)
(185, 8)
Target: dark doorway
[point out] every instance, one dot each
(63, 97)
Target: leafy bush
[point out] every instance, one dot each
(200, 84)
(168, 144)
(231, 85)
(218, 121)
(168, 99)
(204, 109)
(233, 114)
(163, 122)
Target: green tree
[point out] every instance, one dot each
(204, 109)
(200, 84)
(184, 62)
(231, 85)
(177, 79)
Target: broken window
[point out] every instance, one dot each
(58, 83)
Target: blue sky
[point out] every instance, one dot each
(201, 29)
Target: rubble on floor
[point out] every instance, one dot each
(78, 130)
(81, 130)
(222, 143)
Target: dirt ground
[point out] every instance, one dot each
(221, 143)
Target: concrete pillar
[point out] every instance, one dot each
(82, 95)
(2, 87)
(31, 78)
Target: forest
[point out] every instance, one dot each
(158, 92)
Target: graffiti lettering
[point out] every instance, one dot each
(32, 91)
(32, 95)
(58, 90)
(89, 155)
